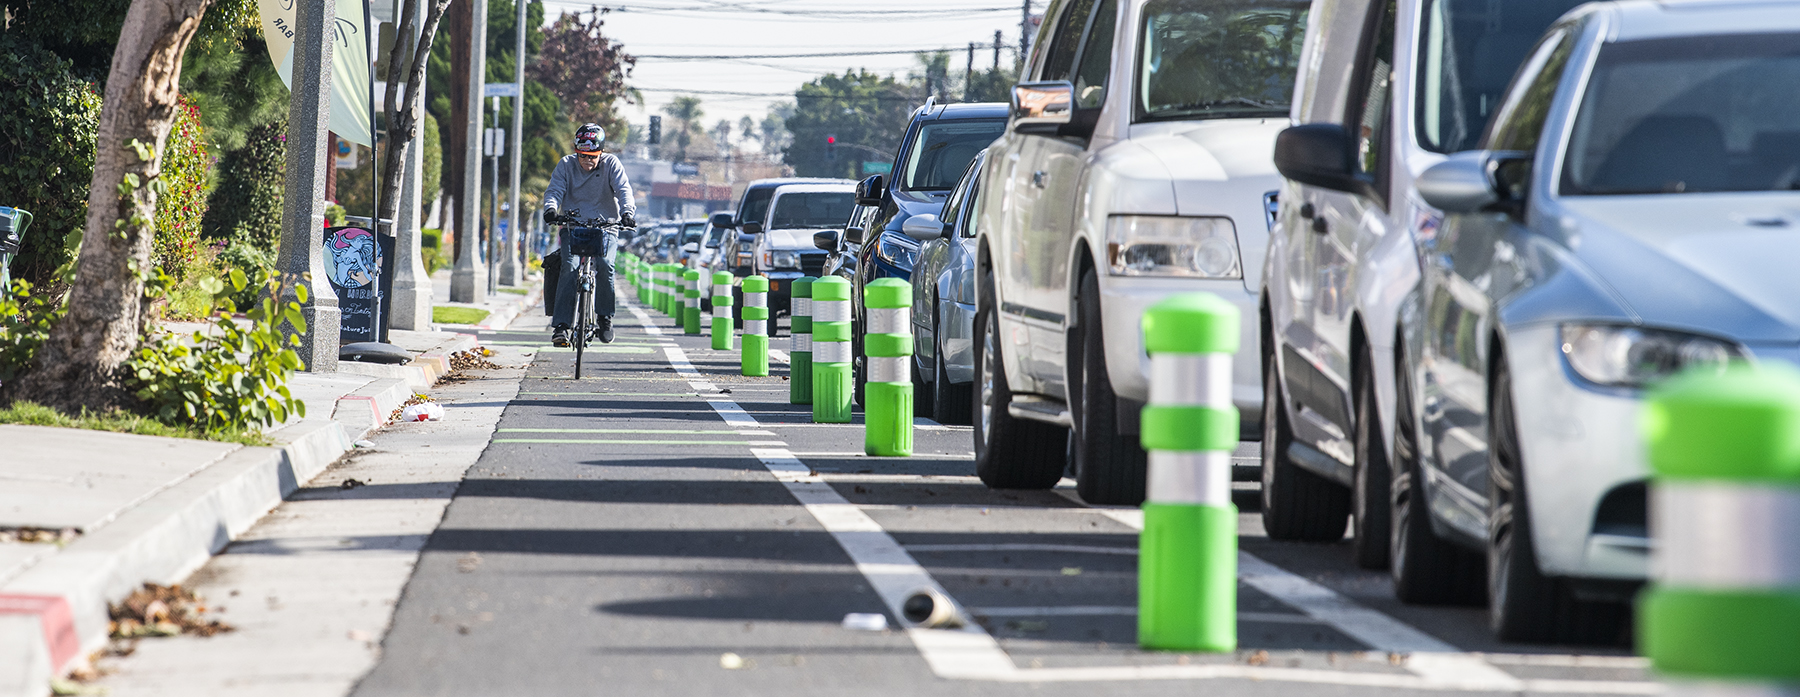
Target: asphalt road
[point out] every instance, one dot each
(666, 526)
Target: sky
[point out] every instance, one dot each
(745, 28)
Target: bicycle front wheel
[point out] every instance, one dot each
(583, 308)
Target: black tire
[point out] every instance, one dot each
(859, 370)
(584, 299)
(1370, 507)
(1296, 504)
(950, 402)
(1426, 569)
(1524, 604)
(923, 392)
(1009, 453)
(1109, 466)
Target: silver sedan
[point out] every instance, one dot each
(943, 308)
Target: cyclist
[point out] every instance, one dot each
(594, 183)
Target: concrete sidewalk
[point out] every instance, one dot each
(153, 509)
(503, 306)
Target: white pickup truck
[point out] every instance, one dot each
(1137, 164)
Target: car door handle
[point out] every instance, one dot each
(1038, 177)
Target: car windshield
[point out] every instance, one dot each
(944, 149)
(1219, 58)
(756, 203)
(812, 209)
(691, 232)
(1714, 113)
(1467, 56)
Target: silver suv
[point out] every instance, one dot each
(1136, 164)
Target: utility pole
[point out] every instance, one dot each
(496, 147)
(512, 269)
(1024, 33)
(301, 256)
(997, 44)
(465, 284)
(969, 72)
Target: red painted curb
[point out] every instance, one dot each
(59, 623)
(373, 410)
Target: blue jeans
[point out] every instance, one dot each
(568, 285)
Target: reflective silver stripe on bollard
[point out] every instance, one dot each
(722, 290)
(1190, 477)
(692, 284)
(758, 327)
(888, 368)
(824, 311)
(1721, 535)
(888, 320)
(801, 341)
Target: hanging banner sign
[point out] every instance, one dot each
(349, 62)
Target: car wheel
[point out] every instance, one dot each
(1524, 604)
(1009, 453)
(1109, 466)
(858, 368)
(1369, 507)
(923, 392)
(1426, 570)
(1296, 504)
(950, 402)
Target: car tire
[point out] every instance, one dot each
(858, 365)
(1296, 504)
(924, 393)
(1109, 466)
(950, 402)
(1009, 453)
(1370, 511)
(1426, 569)
(1524, 604)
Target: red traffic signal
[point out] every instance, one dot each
(831, 140)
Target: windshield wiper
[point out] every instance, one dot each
(1215, 103)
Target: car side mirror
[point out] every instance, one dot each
(923, 227)
(752, 228)
(853, 235)
(691, 247)
(1319, 154)
(870, 191)
(1042, 108)
(1459, 184)
(722, 220)
(826, 240)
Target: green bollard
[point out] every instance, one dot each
(656, 287)
(833, 388)
(721, 311)
(1187, 554)
(666, 290)
(690, 311)
(887, 346)
(1722, 614)
(755, 358)
(800, 370)
(641, 279)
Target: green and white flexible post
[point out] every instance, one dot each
(1722, 615)
(755, 357)
(1187, 554)
(887, 347)
(800, 345)
(671, 291)
(721, 311)
(690, 289)
(657, 291)
(833, 388)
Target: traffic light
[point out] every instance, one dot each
(831, 148)
(655, 130)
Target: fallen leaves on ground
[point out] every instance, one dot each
(415, 399)
(462, 362)
(162, 611)
(61, 536)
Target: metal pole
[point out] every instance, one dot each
(997, 44)
(493, 255)
(301, 256)
(465, 286)
(512, 271)
(969, 72)
(1024, 33)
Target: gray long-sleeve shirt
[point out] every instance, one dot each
(603, 193)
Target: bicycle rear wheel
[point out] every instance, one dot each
(583, 308)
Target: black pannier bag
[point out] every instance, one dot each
(552, 272)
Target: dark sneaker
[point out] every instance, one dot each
(606, 332)
(560, 338)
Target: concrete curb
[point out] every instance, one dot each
(367, 409)
(424, 370)
(503, 317)
(56, 612)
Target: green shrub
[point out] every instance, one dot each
(246, 202)
(334, 215)
(433, 180)
(253, 260)
(431, 248)
(232, 378)
(182, 203)
(48, 121)
(32, 315)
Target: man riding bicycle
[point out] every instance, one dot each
(594, 183)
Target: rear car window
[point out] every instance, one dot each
(1219, 58)
(813, 209)
(944, 149)
(1468, 53)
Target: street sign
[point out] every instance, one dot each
(493, 142)
(869, 168)
(685, 169)
(500, 89)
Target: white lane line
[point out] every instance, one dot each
(1027, 547)
(1123, 610)
(971, 653)
(845, 454)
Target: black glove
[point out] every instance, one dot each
(553, 216)
(628, 221)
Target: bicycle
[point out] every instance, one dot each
(587, 239)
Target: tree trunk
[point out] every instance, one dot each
(402, 112)
(78, 364)
(462, 27)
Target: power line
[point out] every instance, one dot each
(827, 13)
(838, 54)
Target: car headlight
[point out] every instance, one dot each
(1628, 356)
(896, 252)
(1142, 245)
(777, 259)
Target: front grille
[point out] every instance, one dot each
(812, 263)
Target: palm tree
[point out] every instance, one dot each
(746, 128)
(934, 70)
(686, 112)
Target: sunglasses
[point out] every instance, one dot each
(586, 156)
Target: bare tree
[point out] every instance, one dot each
(78, 364)
(403, 121)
